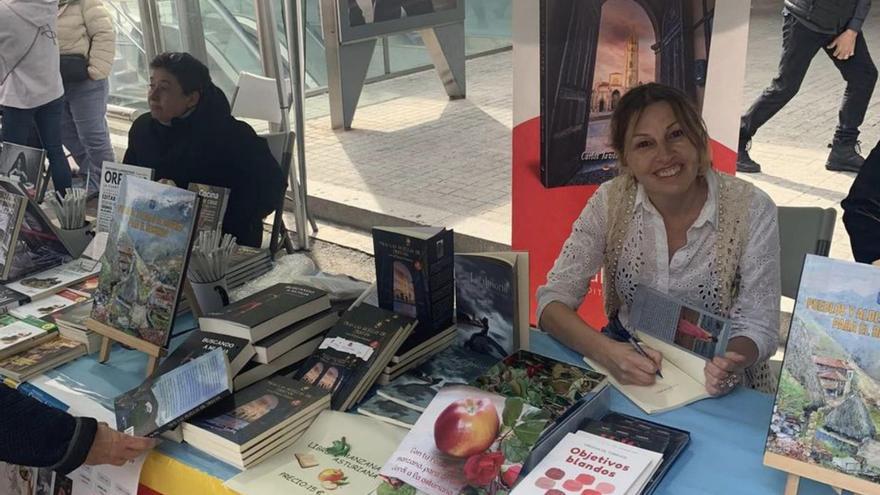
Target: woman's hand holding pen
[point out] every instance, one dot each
(627, 365)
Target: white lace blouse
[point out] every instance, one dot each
(645, 259)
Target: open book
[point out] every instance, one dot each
(686, 336)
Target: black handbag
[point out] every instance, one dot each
(74, 68)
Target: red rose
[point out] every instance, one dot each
(510, 476)
(481, 469)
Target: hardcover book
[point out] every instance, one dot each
(12, 207)
(48, 306)
(145, 260)
(24, 165)
(462, 429)
(414, 277)
(340, 454)
(110, 184)
(825, 418)
(492, 301)
(354, 352)
(164, 401)
(48, 355)
(238, 351)
(50, 281)
(214, 200)
(240, 428)
(19, 335)
(266, 312)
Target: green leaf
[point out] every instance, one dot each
(338, 448)
(513, 407)
(514, 450)
(529, 431)
(386, 489)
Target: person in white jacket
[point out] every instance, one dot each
(30, 82)
(85, 30)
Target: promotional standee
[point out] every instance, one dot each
(573, 60)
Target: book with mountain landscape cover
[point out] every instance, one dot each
(238, 351)
(266, 312)
(254, 415)
(340, 453)
(492, 301)
(354, 352)
(145, 260)
(214, 200)
(12, 208)
(825, 418)
(414, 277)
(36, 360)
(163, 401)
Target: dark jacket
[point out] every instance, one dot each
(209, 146)
(34, 434)
(830, 16)
(861, 210)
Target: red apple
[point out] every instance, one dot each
(466, 427)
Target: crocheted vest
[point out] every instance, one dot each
(732, 237)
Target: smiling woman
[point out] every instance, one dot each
(669, 221)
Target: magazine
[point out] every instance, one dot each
(111, 180)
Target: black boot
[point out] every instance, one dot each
(844, 157)
(744, 162)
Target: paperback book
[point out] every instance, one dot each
(277, 344)
(382, 409)
(162, 402)
(266, 312)
(462, 429)
(414, 277)
(11, 299)
(145, 260)
(20, 335)
(238, 351)
(111, 182)
(254, 371)
(24, 165)
(354, 352)
(48, 282)
(47, 307)
(214, 200)
(339, 453)
(48, 355)
(253, 423)
(12, 207)
(492, 301)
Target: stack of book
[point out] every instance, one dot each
(247, 264)
(414, 277)
(256, 422)
(43, 357)
(71, 324)
(354, 352)
(17, 336)
(417, 355)
(284, 323)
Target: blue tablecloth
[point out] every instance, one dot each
(724, 456)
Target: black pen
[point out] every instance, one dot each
(638, 348)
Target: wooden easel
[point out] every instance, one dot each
(798, 469)
(110, 335)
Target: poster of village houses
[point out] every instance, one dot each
(827, 410)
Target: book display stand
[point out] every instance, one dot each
(110, 335)
(796, 470)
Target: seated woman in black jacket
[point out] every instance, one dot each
(190, 136)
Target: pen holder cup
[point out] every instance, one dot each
(77, 240)
(210, 296)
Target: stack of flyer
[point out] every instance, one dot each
(586, 463)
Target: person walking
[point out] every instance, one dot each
(87, 44)
(30, 82)
(808, 26)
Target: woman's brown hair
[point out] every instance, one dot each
(630, 108)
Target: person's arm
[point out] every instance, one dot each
(99, 29)
(861, 210)
(863, 7)
(581, 257)
(754, 313)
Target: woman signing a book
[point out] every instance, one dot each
(670, 222)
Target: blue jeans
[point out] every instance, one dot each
(17, 123)
(84, 128)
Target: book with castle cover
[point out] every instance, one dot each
(145, 260)
(110, 184)
(12, 208)
(238, 351)
(214, 201)
(824, 424)
(414, 277)
(163, 401)
(492, 301)
(354, 351)
(340, 453)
